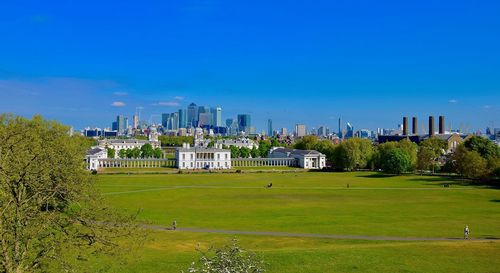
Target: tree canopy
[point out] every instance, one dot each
(48, 202)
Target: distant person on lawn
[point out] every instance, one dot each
(466, 232)
(174, 225)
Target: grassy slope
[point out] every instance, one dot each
(316, 203)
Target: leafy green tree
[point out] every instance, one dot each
(264, 148)
(275, 142)
(158, 153)
(147, 151)
(135, 153)
(235, 152)
(255, 152)
(122, 153)
(485, 147)
(211, 144)
(229, 258)
(429, 151)
(51, 216)
(306, 143)
(244, 152)
(469, 164)
(111, 152)
(175, 141)
(353, 153)
(396, 161)
(411, 149)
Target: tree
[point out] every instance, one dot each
(485, 147)
(135, 153)
(158, 153)
(229, 258)
(255, 152)
(111, 152)
(235, 152)
(353, 153)
(147, 151)
(264, 148)
(306, 143)
(51, 215)
(244, 152)
(469, 164)
(429, 151)
(396, 161)
(411, 149)
(122, 153)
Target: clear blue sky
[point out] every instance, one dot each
(370, 62)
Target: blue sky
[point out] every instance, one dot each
(369, 62)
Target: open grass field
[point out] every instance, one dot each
(386, 210)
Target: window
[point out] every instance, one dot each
(218, 156)
(191, 156)
(184, 156)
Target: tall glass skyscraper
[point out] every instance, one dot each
(182, 118)
(216, 116)
(192, 115)
(269, 127)
(244, 123)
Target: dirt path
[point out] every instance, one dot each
(312, 235)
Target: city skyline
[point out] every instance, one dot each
(367, 64)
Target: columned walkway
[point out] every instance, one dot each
(137, 163)
(263, 162)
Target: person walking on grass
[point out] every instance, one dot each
(466, 232)
(174, 225)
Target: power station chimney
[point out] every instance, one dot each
(431, 125)
(405, 126)
(441, 125)
(415, 126)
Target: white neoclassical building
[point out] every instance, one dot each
(93, 155)
(307, 159)
(119, 144)
(240, 142)
(192, 158)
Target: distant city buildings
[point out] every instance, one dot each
(300, 130)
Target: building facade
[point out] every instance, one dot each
(307, 159)
(119, 144)
(192, 158)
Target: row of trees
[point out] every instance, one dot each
(175, 141)
(244, 152)
(477, 157)
(146, 151)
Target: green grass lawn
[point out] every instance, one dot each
(320, 203)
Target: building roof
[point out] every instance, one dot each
(95, 150)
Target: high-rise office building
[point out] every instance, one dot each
(350, 130)
(244, 123)
(120, 124)
(284, 132)
(204, 119)
(216, 116)
(322, 131)
(340, 129)
(135, 122)
(170, 121)
(269, 127)
(300, 130)
(232, 127)
(192, 115)
(182, 118)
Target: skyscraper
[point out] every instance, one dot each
(170, 121)
(300, 130)
(216, 116)
(192, 115)
(269, 127)
(135, 122)
(182, 118)
(232, 127)
(340, 129)
(120, 124)
(244, 123)
(350, 130)
(205, 119)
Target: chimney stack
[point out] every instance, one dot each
(431, 125)
(405, 126)
(415, 126)
(441, 125)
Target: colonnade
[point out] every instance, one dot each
(137, 163)
(263, 162)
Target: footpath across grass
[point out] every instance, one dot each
(364, 203)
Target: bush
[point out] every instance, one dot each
(229, 258)
(396, 161)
